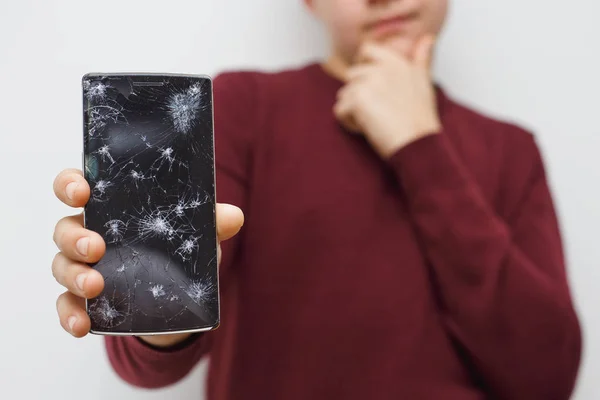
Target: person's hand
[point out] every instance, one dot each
(390, 98)
(79, 246)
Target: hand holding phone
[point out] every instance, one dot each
(70, 265)
(149, 228)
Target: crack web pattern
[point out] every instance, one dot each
(149, 162)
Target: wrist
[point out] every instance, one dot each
(395, 146)
(429, 126)
(395, 135)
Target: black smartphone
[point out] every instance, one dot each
(148, 155)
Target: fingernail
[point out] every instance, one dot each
(82, 245)
(80, 280)
(71, 322)
(70, 189)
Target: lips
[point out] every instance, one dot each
(392, 25)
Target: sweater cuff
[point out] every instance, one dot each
(429, 163)
(146, 351)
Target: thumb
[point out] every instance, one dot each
(423, 53)
(229, 221)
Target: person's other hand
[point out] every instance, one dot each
(388, 97)
(79, 246)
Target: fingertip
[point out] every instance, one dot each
(72, 314)
(238, 215)
(431, 44)
(71, 188)
(96, 247)
(431, 40)
(230, 211)
(82, 194)
(94, 284)
(229, 220)
(423, 52)
(81, 325)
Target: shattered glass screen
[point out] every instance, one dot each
(148, 156)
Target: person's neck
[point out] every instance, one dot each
(336, 66)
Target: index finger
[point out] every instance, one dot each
(371, 51)
(71, 188)
(423, 52)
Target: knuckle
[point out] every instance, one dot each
(72, 219)
(59, 231)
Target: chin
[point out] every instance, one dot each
(401, 44)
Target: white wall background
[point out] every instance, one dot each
(536, 62)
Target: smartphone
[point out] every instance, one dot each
(148, 155)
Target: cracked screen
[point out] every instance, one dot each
(148, 157)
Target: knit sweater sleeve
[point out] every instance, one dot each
(503, 283)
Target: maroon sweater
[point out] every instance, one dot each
(437, 274)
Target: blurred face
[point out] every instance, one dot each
(397, 23)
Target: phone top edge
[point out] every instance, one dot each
(90, 75)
